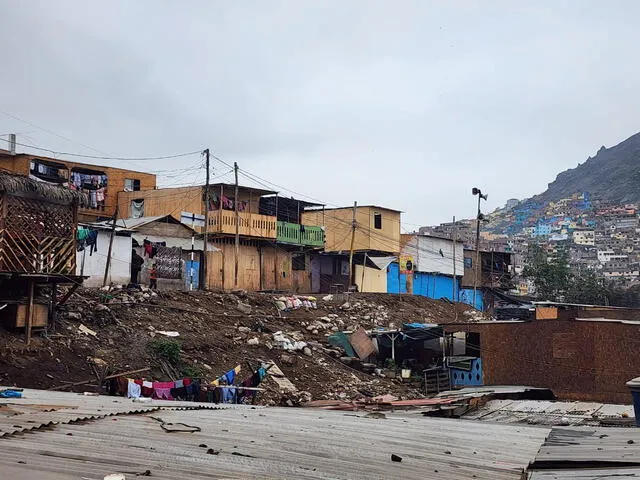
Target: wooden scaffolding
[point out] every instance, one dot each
(38, 224)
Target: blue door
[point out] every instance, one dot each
(396, 283)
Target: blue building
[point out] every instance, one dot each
(542, 229)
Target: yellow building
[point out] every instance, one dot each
(377, 228)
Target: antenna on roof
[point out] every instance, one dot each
(12, 143)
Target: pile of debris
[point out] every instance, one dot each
(127, 329)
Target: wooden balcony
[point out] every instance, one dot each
(250, 224)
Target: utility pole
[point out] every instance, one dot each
(455, 241)
(113, 232)
(237, 249)
(492, 266)
(354, 224)
(205, 270)
(479, 217)
(193, 243)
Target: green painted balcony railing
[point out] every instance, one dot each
(296, 234)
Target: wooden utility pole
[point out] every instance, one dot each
(354, 224)
(364, 268)
(29, 312)
(205, 270)
(237, 249)
(455, 241)
(113, 233)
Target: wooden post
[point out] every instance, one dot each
(275, 268)
(364, 267)
(455, 241)
(108, 264)
(261, 261)
(29, 319)
(52, 305)
(204, 284)
(353, 239)
(237, 243)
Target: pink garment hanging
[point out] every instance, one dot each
(162, 390)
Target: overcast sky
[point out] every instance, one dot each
(403, 104)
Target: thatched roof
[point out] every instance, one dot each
(12, 183)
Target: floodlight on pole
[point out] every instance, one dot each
(479, 218)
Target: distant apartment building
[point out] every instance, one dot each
(542, 230)
(605, 256)
(584, 237)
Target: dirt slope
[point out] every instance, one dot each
(214, 333)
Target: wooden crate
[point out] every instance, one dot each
(16, 315)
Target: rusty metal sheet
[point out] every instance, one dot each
(361, 343)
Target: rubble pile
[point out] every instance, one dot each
(123, 329)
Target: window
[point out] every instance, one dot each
(137, 208)
(468, 262)
(298, 262)
(131, 185)
(377, 221)
(93, 183)
(49, 171)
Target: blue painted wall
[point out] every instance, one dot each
(196, 274)
(433, 285)
(460, 378)
(392, 279)
(466, 296)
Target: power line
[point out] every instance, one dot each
(50, 132)
(98, 157)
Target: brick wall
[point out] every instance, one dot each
(578, 360)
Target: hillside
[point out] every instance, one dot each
(612, 175)
(116, 331)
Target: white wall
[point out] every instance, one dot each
(426, 254)
(94, 265)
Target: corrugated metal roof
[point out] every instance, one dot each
(270, 443)
(545, 412)
(183, 243)
(586, 474)
(588, 454)
(43, 408)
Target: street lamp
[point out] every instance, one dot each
(479, 218)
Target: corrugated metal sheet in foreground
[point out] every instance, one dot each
(282, 443)
(585, 453)
(43, 408)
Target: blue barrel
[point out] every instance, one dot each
(634, 387)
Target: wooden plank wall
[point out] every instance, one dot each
(221, 267)
(166, 201)
(276, 267)
(338, 228)
(260, 267)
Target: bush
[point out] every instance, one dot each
(167, 349)
(191, 371)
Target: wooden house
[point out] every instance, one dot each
(273, 245)
(376, 237)
(377, 228)
(38, 224)
(100, 183)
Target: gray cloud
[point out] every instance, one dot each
(406, 105)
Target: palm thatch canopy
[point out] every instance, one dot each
(14, 184)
